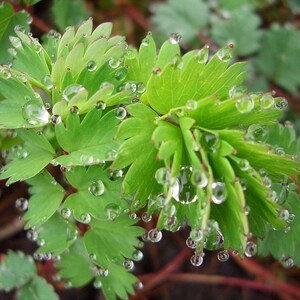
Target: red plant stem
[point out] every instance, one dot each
(137, 16)
(252, 267)
(40, 24)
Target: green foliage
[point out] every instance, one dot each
(70, 12)
(9, 21)
(129, 129)
(19, 271)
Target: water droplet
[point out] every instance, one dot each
(196, 260)
(199, 178)
(35, 113)
(38, 256)
(92, 256)
(111, 155)
(266, 102)
(280, 151)
(121, 74)
(91, 65)
(5, 74)
(283, 214)
(246, 210)
(47, 256)
(244, 165)
(72, 90)
(191, 243)
(137, 255)
(103, 272)
(223, 256)
(162, 176)
(105, 84)
(32, 235)
(183, 191)
(138, 285)
(154, 235)
(74, 110)
(86, 159)
(52, 34)
(281, 103)
(46, 81)
(191, 105)
(120, 113)
(65, 212)
(251, 249)
(140, 87)
(97, 188)
(128, 264)
(286, 262)
(19, 28)
(114, 63)
(146, 217)
(97, 284)
(196, 235)
(177, 62)
(85, 218)
(22, 204)
(130, 87)
(112, 211)
(211, 141)
(174, 38)
(257, 133)
(224, 54)
(145, 42)
(115, 175)
(244, 104)
(29, 19)
(267, 181)
(237, 91)
(202, 55)
(56, 258)
(55, 119)
(219, 192)
(15, 41)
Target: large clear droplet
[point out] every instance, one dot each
(112, 211)
(183, 191)
(85, 218)
(196, 260)
(72, 90)
(154, 235)
(211, 141)
(137, 255)
(219, 192)
(5, 74)
(251, 249)
(121, 74)
(266, 102)
(174, 38)
(244, 104)
(244, 165)
(35, 113)
(223, 256)
(128, 264)
(91, 65)
(120, 113)
(257, 133)
(199, 178)
(114, 63)
(224, 54)
(202, 55)
(97, 188)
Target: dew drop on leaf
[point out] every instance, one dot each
(174, 38)
(55, 119)
(115, 175)
(162, 176)
(283, 214)
(92, 256)
(154, 235)
(112, 211)
(103, 272)
(97, 284)
(74, 110)
(100, 105)
(251, 249)
(266, 102)
(223, 256)
(121, 74)
(183, 191)
(145, 42)
(191, 243)
(97, 188)
(114, 63)
(146, 217)
(286, 262)
(279, 151)
(5, 74)
(237, 91)
(32, 235)
(196, 235)
(199, 178)
(191, 105)
(281, 103)
(46, 81)
(219, 192)
(196, 260)
(244, 164)
(202, 55)
(131, 87)
(244, 104)
(128, 264)
(65, 212)
(120, 113)
(72, 90)
(91, 65)
(137, 255)
(21, 204)
(211, 141)
(224, 54)
(257, 133)
(85, 218)
(138, 285)
(140, 87)
(15, 41)
(35, 113)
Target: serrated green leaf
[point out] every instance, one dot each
(112, 244)
(69, 12)
(244, 35)
(37, 289)
(83, 201)
(39, 154)
(76, 266)
(184, 17)
(94, 138)
(287, 241)
(46, 196)
(16, 270)
(9, 19)
(277, 63)
(57, 235)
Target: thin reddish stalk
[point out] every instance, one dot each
(137, 16)
(252, 267)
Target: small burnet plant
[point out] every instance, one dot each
(176, 135)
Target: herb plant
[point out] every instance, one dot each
(104, 133)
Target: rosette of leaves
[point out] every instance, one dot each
(58, 108)
(196, 149)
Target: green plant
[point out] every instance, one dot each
(101, 130)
